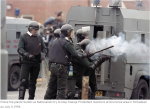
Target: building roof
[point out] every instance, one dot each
(13, 20)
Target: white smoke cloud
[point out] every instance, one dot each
(121, 46)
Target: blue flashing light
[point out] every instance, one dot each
(96, 2)
(139, 3)
(17, 11)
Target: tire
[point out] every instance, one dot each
(142, 91)
(14, 78)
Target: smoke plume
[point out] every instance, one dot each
(134, 47)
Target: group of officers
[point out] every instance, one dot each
(68, 63)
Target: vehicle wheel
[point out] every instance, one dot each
(14, 78)
(141, 92)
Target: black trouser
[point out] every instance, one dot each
(28, 69)
(76, 80)
(57, 82)
(92, 79)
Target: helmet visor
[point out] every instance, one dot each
(36, 28)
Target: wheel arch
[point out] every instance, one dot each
(141, 75)
(13, 62)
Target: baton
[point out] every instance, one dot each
(36, 49)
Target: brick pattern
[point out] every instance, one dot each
(42, 9)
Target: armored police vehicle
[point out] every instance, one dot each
(14, 28)
(128, 77)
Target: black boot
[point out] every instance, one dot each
(31, 92)
(22, 91)
(93, 95)
(70, 95)
(94, 89)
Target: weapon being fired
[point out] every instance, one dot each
(101, 50)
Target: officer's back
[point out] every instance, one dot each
(61, 52)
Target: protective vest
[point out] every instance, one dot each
(31, 44)
(57, 52)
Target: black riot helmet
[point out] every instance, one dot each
(84, 43)
(33, 25)
(81, 34)
(57, 33)
(49, 29)
(66, 29)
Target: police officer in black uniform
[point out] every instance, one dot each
(56, 36)
(57, 33)
(82, 67)
(30, 48)
(61, 52)
(91, 72)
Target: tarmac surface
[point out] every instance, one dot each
(39, 94)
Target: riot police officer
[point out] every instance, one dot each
(30, 47)
(81, 34)
(57, 33)
(61, 52)
(91, 72)
(83, 66)
(56, 36)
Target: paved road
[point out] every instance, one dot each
(39, 94)
(13, 95)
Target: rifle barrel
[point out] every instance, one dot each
(104, 49)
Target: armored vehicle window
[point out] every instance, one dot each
(96, 29)
(143, 38)
(18, 35)
(130, 70)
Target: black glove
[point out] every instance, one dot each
(25, 54)
(99, 62)
(94, 65)
(29, 56)
(105, 58)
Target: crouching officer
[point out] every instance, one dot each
(30, 47)
(83, 66)
(60, 55)
(91, 72)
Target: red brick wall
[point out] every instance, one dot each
(132, 4)
(146, 4)
(42, 9)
